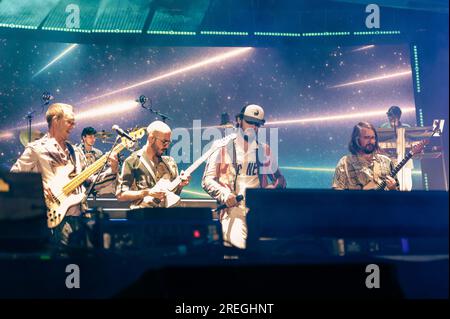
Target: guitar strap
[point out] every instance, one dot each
(148, 166)
(72, 156)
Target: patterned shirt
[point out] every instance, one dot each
(355, 172)
(47, 157)
(221, 175)
(139, 173)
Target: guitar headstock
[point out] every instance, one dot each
(224, 141)
(137, 134)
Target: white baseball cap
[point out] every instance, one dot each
(253, 113)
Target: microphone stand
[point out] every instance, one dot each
(91, 187)
(164, 117)
(29, 118)
(143, 100)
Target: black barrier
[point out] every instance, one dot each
(293, 212)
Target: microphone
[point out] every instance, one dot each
(122, 133)
(223, 206)
(142, 100)
(47, 97)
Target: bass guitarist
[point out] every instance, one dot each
(52, 154)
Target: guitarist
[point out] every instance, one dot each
(365, 165)
(145, 167)
(228, 173)
(52, 152)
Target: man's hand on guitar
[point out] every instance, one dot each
(47, 193)
(231, 200)
(154, 193)
(185, 179)
(391, 184)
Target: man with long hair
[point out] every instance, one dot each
(365, 165)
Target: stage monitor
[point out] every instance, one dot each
(328, 213)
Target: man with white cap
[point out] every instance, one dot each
(145, 167)
(250, 164)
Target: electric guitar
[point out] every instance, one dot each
(416, 149)
(64, 183)
(169, 187)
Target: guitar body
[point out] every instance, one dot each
(163, 185)
(63, 185)
(415, 150)
(59, 203)
(168, 187)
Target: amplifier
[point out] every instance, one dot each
(161, 231)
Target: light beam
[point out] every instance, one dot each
(366, 47)
(215, 59)
(60, 56)
(103, 111)
(6, 135)
(336, 117)
(378, 78)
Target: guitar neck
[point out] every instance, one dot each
(401, 164)
(174, 184)
(396, 169)
(89, 171)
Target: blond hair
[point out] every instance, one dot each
(158, 126)
(57, 110)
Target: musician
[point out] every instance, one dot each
(87, 145)
(365, 165)
(228, 173)
(405, 175)
(91, 155)
(394, 115)
(145, 167)
(52, 153)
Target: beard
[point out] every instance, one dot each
(369, 149)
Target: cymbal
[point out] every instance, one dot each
(103, 134)
(35, 135)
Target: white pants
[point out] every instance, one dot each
(234, 227)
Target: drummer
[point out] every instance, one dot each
(88, 137)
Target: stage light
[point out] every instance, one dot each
(416, 69)
(376, 32)
(164, 32)
(208, 61)
(223, 33)
(378, 78)
(60, 56)
(337, 117)
(324, 34)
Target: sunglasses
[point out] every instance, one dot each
(165, 142)
(257, 124)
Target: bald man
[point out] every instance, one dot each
(145, 167)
